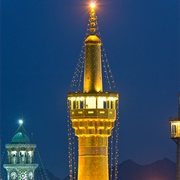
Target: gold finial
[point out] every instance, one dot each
(93, 18)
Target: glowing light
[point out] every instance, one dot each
(92, 5)
(90, 102)
(112, 98)
(20, 121)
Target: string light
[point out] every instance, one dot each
(70, 143)
(116, 143)
(40, 173)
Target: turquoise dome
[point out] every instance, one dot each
(20, 137)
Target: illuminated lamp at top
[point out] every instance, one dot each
(20, 122)
(92, 5)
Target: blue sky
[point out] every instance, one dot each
(41, 42)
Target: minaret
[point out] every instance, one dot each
(93, 112)
(21, 164)
(175, 136)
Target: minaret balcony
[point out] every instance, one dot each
(93, 105)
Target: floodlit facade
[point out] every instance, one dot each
(20, 164)
(93, 112)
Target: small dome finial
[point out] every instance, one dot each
(93, 18)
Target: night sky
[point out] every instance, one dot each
(41, 43)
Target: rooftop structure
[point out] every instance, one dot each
(20, 151)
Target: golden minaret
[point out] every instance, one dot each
(93, 112)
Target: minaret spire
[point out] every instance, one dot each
(93, 18)
(93, 64)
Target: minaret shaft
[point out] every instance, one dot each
(93, 158)
(93, 68)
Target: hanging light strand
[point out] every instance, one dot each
(74, 154)
(69, 143)
(38, 171)
(80, 85)
(116, 144)
(44, 173)
(111, 156)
